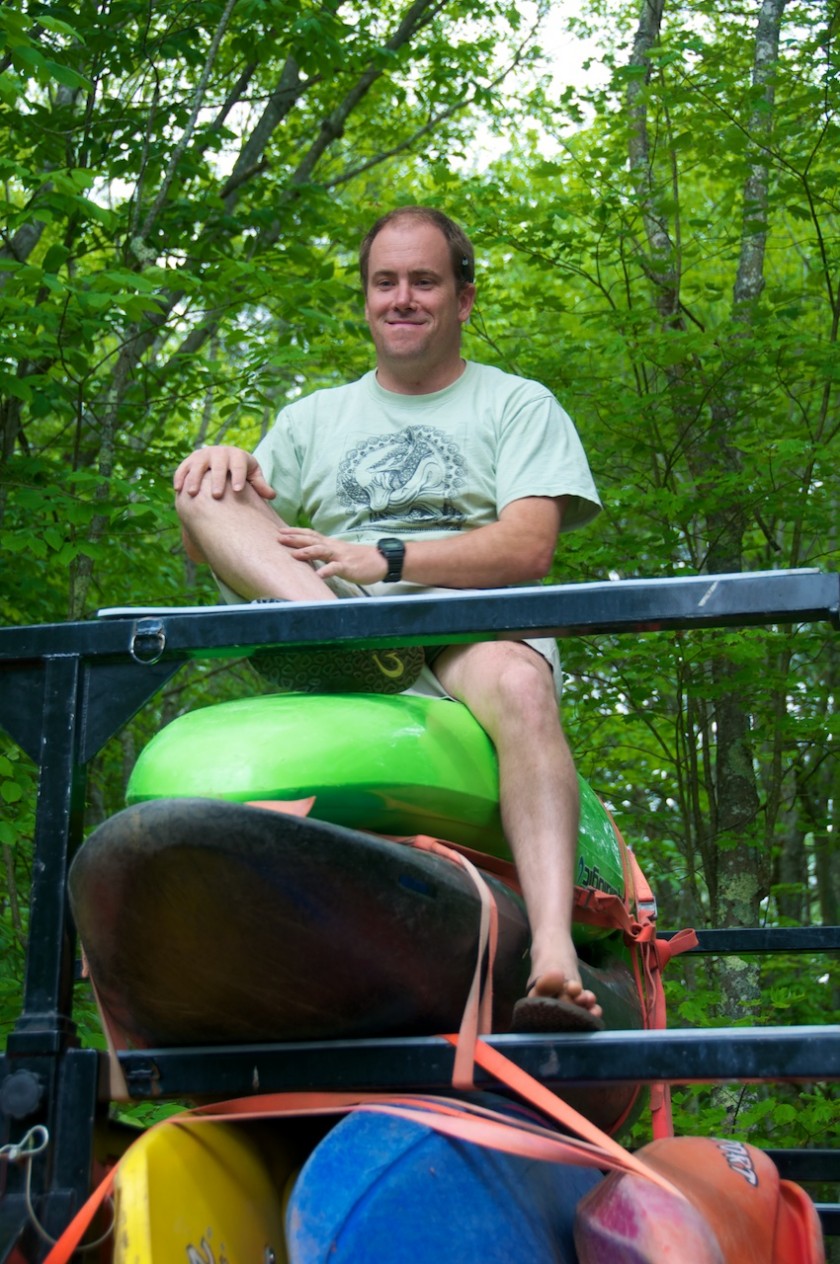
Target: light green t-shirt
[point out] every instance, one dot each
(362, 462)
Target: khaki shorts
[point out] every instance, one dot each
(427, 684)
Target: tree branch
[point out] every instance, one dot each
(138, 242)
(24, 241)
(279, 104)
(749, 281)
(418, 15)
(432, 123)
(661, 265)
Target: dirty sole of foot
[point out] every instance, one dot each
(335, 670)
(552, 1013)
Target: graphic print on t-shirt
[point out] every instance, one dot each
(409, 478)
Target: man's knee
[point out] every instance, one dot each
(508, 676)
(202, 509)
(190, 507)
(191, 548)
(522, 677)
(191, 515)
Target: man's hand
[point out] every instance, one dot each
(225, 464)
(360, 563)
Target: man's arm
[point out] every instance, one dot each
(518, 548)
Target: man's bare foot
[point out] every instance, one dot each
(555, 984)
(556, 1002)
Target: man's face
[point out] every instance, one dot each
(412, 305)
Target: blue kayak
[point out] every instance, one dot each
(383, 1190)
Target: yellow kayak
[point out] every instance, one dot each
(204, 1193)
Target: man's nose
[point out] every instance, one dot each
(403, 295)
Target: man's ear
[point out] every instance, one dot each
(466, 302)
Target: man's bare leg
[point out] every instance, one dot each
(510, 691)
(237, 534)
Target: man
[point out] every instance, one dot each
(468, 473)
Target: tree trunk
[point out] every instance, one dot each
(736, 864)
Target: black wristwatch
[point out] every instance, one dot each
(393, 551)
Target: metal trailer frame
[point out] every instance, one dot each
(67, 688)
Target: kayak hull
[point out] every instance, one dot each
(382, 1190)
(367, 1189)
(203, 1192)
(205, 922)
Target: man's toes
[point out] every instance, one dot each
(552, 984)
(591, 1003)
(555, 985)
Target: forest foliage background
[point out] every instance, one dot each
(184, 188)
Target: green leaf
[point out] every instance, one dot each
(67, 76)
(60, 27)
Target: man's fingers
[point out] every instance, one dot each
(228, 463)
(195, 476)
(225, 465)
(299, 536)
(260, 486)
(244, 469)
(190, 473)
(312, 553)
(182, 479)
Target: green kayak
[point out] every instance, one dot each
(391, 765)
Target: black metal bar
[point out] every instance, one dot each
(829, 1214)
(807, 1165)
(424, 1064)
(40, 1085)
(61, 1093)
(45, 1024)
(740, 940)
(632, 605)
(22, 704)
(113, 693)
(72, 1137)
(14, 1220)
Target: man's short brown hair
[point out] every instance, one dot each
(460, 247)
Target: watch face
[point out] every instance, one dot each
(393, 551)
